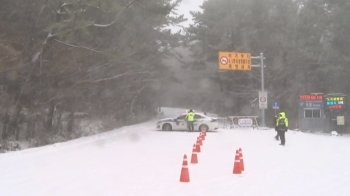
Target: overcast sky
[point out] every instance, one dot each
(185, 7)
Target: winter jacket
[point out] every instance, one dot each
(190, 117)
(282, 116)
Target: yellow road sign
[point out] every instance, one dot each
(235, 61)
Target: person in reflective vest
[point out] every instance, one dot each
(190, 119)
(282, 127)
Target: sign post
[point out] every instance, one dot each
(243, 62)
(276, 106)
(262, 100)
(261, 57)
(252, 103)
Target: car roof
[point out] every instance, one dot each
(202, 114)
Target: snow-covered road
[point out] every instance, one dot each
(137, 160)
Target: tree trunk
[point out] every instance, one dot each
(30, 124)
(49, 121)
(15, 121)
(70, 122)
(59, 122)
(5, 120)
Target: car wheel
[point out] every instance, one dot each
(203, 127)
(167, 127)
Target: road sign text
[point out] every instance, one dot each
(235, 61)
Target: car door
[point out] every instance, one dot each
(180, 123)
(197, 121)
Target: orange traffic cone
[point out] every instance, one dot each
(198, 146)
(185, 176)
(237, 165)
(241, 159)
(204, 130)
(203, 135)
(194, 158)
(199, 139)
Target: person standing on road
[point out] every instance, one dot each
(190, 119)
(282, 127)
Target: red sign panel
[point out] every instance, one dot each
(311, 97)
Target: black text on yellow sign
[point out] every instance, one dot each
(235, 61)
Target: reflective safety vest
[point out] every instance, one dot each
(190, 116)
(282, 121)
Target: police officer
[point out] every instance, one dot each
(190, 119)
(282, 127)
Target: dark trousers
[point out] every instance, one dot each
(281, 133)
(190, 125)
(277, 136)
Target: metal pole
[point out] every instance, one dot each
(262, 88)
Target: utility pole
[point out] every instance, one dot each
(261, 65)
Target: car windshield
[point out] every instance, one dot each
(182, 117)
(197, 116)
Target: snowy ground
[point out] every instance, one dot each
(138, 160)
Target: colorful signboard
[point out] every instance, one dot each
(311, 97)
(311, 101)
(335, 102)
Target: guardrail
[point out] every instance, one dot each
(232, 122)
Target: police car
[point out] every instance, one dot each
(179, 123)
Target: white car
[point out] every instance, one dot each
(179, 123)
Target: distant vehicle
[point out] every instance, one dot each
(179, 123)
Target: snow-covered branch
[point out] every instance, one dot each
(84, 4)
(49, 36)
(66, 4)
(120, 75)
(133, 99)
(116, 18)
(53, 7)
(75, 46)
(113, 77)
